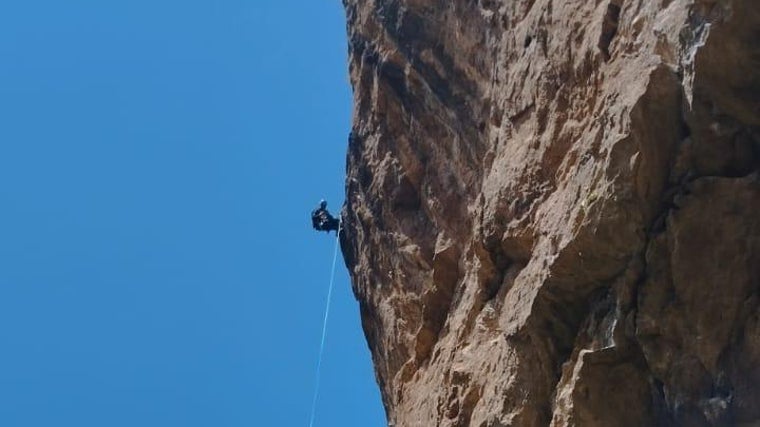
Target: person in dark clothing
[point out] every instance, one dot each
(322, 220)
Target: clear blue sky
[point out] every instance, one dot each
(158, 162)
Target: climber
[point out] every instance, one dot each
(322, 220)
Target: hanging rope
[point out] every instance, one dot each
(324, 330)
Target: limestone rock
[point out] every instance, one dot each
(552, 211)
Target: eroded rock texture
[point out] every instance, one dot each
(553, 210)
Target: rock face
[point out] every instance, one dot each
(553, 210)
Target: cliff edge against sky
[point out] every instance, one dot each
(553, 210)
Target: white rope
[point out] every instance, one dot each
(324, 330)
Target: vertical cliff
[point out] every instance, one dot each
(553, 210)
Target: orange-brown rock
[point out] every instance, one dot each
(553, 210)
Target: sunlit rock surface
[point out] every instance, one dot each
(553, 210)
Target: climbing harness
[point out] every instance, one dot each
(324, 328)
